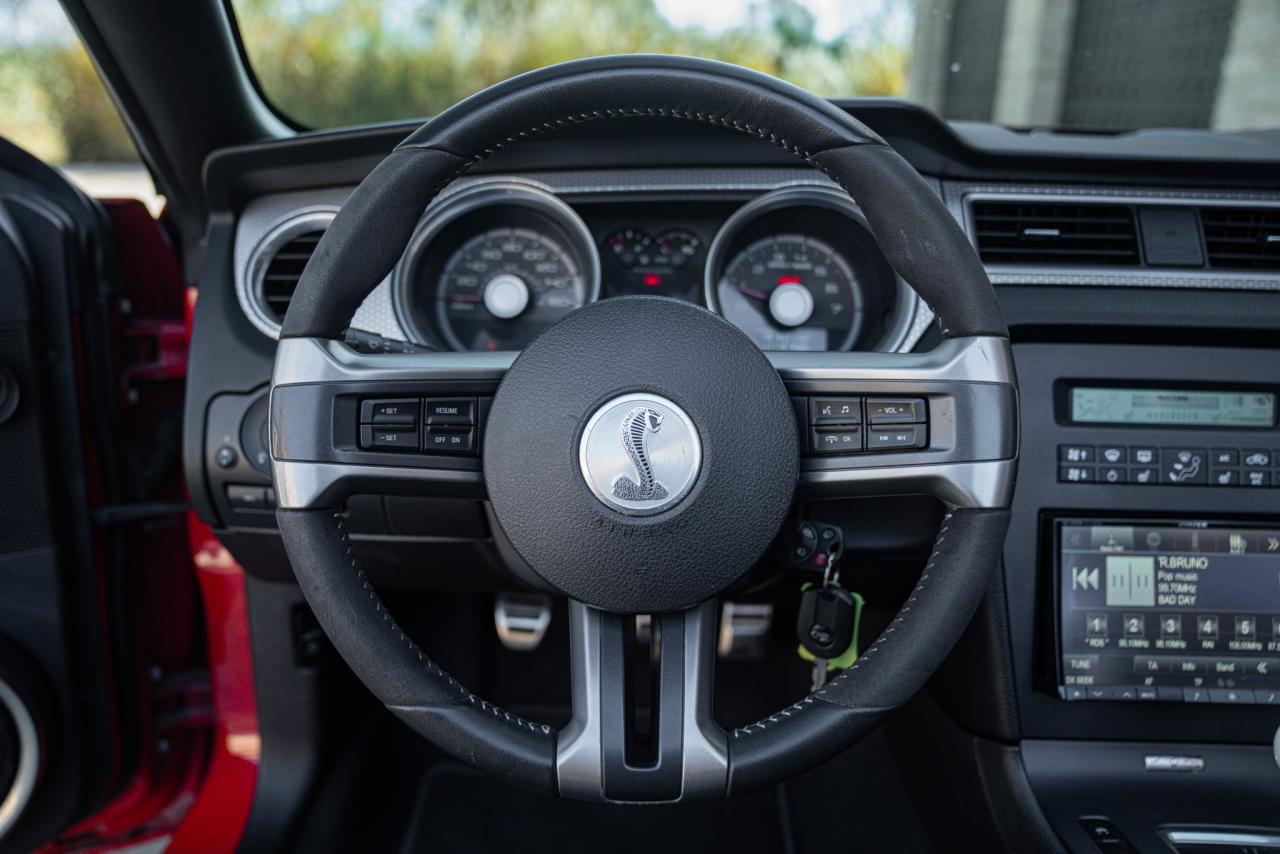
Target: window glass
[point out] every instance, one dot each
(1093, 65)
(54, 105)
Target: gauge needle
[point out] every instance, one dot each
(465, 298)
(752, 292)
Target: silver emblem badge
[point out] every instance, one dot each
(640, 454)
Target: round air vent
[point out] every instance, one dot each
(276, 264)
(19, 757)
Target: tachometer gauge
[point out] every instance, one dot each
(502, 287)
(792, 292)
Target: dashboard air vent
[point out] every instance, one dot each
(284, 268)
(1055, 233)
(1242, 238)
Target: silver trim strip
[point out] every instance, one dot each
(249, 283)
(1229, 838)
(704, 753)
(1168, 762)
(24, 781)
(960, 485)
(980, 359)
(580, 745)
(320, 360)
(982, 483)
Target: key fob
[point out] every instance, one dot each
(825, 626)
(811, 546)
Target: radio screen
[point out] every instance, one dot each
(1169, 612)
(1173, 407)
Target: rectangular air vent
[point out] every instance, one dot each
(1058, 233)
(280, 278)
(1242, 238)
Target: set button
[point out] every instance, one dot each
(388, 438)
(399, 411)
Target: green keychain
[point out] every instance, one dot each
(822, 667)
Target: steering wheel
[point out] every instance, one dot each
(642, 454)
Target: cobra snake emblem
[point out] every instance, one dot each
(636, 427)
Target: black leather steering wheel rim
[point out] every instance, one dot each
(917, 235)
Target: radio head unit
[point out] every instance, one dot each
(1174, 611)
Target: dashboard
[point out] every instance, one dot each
(494, 262)
(1141, 284)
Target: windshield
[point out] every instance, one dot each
(1092, 65)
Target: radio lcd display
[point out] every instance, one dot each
(1164, 611)
(1171, 407)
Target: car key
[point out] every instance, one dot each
(826, 621)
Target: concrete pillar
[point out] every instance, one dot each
(1247, 86)
(1035, 60)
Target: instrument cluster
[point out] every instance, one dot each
(796, 269)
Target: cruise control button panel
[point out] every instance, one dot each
(431, 425)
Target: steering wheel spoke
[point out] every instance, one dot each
(642, 727)
(941, 423)
(329, 442)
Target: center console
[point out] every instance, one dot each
(1142, 578)
(1181, 611)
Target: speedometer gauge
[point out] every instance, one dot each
(501, 288)
(792, 292)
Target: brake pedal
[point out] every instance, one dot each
(521, 619)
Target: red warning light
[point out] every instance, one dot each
(788, 280)
(651, 280)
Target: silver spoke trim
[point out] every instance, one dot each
(981, 359)
(580, 745)
(957, 482)
(320, 360)
(704, 756)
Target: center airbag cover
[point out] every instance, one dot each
(601, 554)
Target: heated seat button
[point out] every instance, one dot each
(449, 440)
(836, 440)
(451, 411)
(389, 438)
(885, 410)
(895, 438)
(401, 411)
(835, 410)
